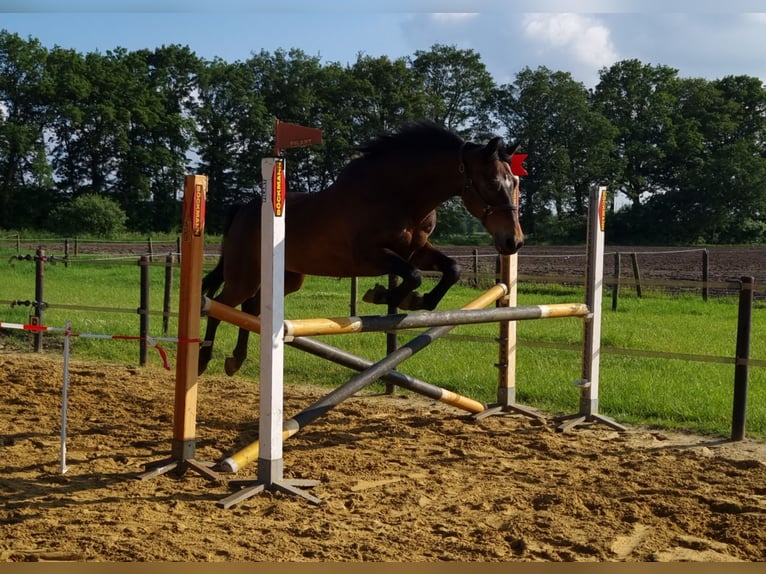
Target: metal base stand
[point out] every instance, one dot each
(506, 404)
(570, 421)
(498, 409)
(181, 460)
(181, 466)
(249, 488)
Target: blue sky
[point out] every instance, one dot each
(701, 38)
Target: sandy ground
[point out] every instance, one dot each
(401, 479)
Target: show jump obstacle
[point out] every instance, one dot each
(276, 332)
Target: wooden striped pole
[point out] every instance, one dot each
(294, 328)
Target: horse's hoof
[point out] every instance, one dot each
(376, 295)
(412, 302)
(231, 365)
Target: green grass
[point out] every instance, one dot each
(662, 392)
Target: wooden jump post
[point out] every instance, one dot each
(183, 449)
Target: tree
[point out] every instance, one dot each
(89, 214)
(638, 99)
(160, 131)
(458, 89)
(25, 174)
(717, 189)
(570, 147)
(233, 133)
(91, 120)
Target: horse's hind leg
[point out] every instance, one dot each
(430, 259)
(206, 348)
(233, 363)
(293, 282)
(411, 279)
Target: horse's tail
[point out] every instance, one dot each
(214, 279)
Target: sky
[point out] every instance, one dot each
(700, 38)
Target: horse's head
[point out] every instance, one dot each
(491, 192)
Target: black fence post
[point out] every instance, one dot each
(143, 311)
(38, 317)
(392, 340)
(705, 273)
(353, 296)
(617, 273)
(636, 273)
(742, 357)
(168, 291)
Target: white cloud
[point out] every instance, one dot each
(584, 37)
(453, 17)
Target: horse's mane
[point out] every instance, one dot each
(414, 138)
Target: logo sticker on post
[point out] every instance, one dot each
(602, 209)
(199, 210)
(278, 187)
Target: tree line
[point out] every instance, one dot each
(684, 157)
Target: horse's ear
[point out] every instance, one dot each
(492, 148)
(513, 148)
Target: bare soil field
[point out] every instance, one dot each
(401, 478)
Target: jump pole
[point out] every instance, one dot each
(342, 357)
(294, 328)
(185, 407)
(594, 282)
(326, 403)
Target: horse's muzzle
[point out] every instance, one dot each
(508, 244)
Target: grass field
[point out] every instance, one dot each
(664, 392)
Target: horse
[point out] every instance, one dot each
(375, 219)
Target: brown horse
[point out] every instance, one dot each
(374, 220)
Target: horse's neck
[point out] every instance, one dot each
(440, 184)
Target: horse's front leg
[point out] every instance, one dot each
(411, 280)
(429, 258)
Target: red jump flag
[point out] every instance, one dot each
(292, 135)
(516, 164)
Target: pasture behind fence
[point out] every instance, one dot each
(477, 263)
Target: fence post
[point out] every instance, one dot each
(354, 295)
(143, 311)
(37, 319)
(149, 245)
(617, 272)
(392, 341)
(741, 367)
(476, 268)
(168, 290)
(705, 273)
(636, 273)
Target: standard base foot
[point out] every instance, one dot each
(571, 421)
(161, 467)
(498, 409)
(249, 488)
